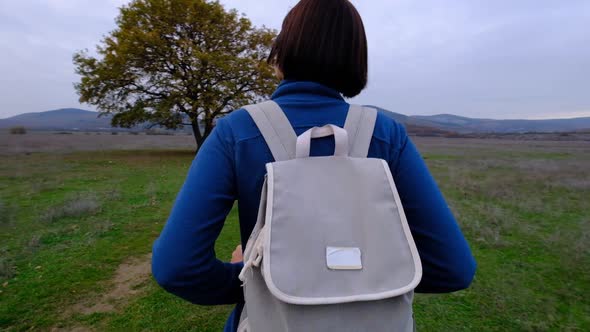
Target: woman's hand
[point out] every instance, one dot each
(236, 256)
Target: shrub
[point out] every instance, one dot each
(7, 269)
(157, 132)
(19, 130)
(34, 243)
(76, 206)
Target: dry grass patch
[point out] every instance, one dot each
(6, 213)
(7, 269)
(77, 206)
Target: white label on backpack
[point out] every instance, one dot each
(342, 258)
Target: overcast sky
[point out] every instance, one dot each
(492, 59)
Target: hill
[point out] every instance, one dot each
(61, 119)
(459, 124)
(431, 125)
(473, 125)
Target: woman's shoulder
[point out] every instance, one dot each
(388, 128)
(240, 126)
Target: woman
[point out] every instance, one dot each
(321, 54)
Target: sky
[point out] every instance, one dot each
(487, 59)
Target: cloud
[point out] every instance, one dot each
(496, 59)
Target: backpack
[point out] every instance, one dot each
(331, 249)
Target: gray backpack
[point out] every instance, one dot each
(332, 249)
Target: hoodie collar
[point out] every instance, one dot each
(289, 88)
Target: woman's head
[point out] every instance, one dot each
(323, 41)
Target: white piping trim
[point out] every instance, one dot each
(406, 227)
(266, 261)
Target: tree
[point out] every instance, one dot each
(174, 63)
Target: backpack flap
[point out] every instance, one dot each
(335, 232)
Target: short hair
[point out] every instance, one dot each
(323, 41)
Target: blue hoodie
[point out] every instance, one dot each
(230, 167)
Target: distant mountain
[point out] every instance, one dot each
(439, 125)
(463, 125)
(469, 125)
(61, 119)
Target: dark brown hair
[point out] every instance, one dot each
(323, 41)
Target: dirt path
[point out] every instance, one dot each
(128, 277)
(124, 285)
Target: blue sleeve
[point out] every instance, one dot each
(183, 260)
(447, 262)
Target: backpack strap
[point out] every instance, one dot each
(360, 124)
(275, 128)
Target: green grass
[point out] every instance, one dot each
(68, 221)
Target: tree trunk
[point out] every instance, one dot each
(199, 138)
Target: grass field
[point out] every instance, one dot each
(76, 230)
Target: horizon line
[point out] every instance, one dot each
(566, 116)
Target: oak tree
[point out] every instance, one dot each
(175, 63)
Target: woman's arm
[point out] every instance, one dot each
(183, 260)
(446, 258)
